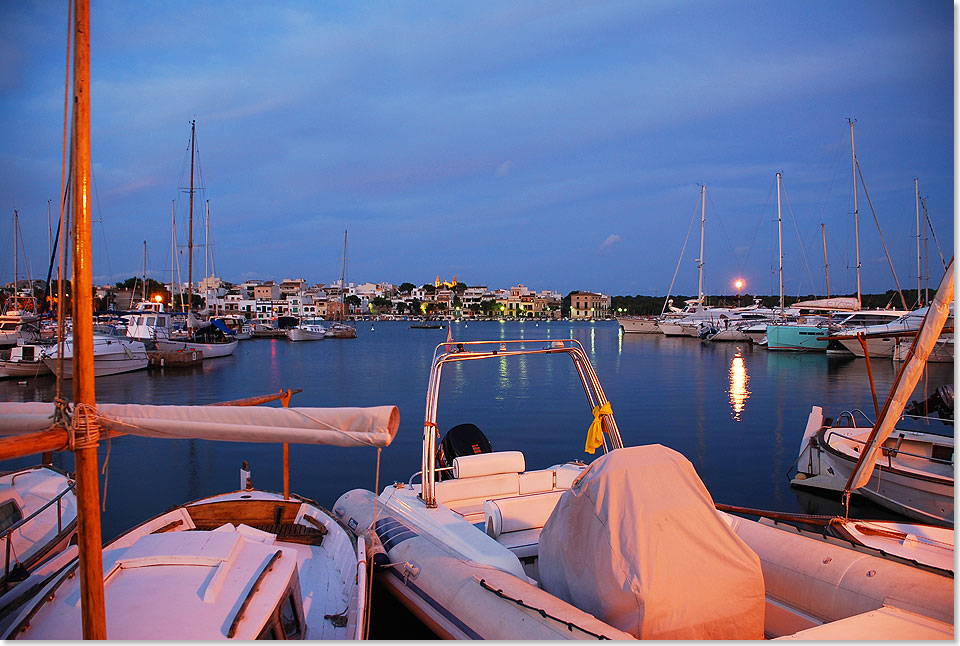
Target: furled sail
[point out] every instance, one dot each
(906, 380)
(840, 304)
(370, 426)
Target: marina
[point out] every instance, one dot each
(485, 462)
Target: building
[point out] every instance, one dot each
(268, 291)
(587, 305)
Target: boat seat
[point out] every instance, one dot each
(516, 522)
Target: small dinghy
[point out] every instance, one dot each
(628, 547)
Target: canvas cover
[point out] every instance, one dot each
(637, 542)
(370, 426)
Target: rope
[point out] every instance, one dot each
(679, 260)
(86, 427)
(543, 613)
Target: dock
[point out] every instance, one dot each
(175, 358)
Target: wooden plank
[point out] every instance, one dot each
(249, 512)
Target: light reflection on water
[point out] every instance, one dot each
(738, 385)
(671, 391)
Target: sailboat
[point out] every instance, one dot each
(18, 320)
(909, 471)
(212, 339)
(338, 328)
(243, 565)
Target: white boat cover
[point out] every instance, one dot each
(371, 426)
(906, 380)
(637, 542)
(842, 303)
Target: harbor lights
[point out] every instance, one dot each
(158, 298)
(739, 285)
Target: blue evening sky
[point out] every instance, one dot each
(556, 144)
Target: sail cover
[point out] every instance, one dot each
(370, 426)
(906, 380)
(637, 542)
(841, 304)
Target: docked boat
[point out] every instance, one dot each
(308, 330)
(23, 361)
(629, 546)
(809, 333)
(237, 323)
(639, 324)
(213, 339)
(341, 330)
(914, 476)
(38, 518)
(881, 339)
(909, 471)
(243, 565)
(149, 322)
(247, 564)
(19, 321)
(112, 354)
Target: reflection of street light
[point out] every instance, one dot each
(739, 286)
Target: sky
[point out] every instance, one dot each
(561, 145)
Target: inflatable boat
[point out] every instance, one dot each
(630, 546)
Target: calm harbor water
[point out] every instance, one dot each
(736, 412)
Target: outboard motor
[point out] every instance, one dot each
(462, 439)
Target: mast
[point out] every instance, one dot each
(343, 274)
(143, 282)
(173, 250)
(926, 258)
(916, 184)
(826, 272)
(206, 246)
(193, 132)
(780, 241)
(856, 208)
(703, 207)
(16, 232)
(85, 425)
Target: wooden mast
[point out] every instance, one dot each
(193, 132)
(86, 430)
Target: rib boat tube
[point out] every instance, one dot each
(459, 598)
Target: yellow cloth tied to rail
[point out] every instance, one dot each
(595, 432)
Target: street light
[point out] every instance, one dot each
(739, 285)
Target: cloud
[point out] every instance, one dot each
(611, 240)
(504, 168)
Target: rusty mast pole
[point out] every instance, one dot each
(84, 395)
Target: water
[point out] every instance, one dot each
(736, 412)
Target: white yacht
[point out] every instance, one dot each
(112, 354)
(23, 361)
(149, 322)
(308, 330)
(19, 321)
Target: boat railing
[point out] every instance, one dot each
(456, 351)
(889, 452)
(847, 419)
(7, 534)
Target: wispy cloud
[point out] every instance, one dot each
(607, 244)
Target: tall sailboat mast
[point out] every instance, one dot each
(193, 132)
(780, 241)
(173, 251)
(916, 184)
(16, 233)
(856, 208)
(703, 207)
(343, 275)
